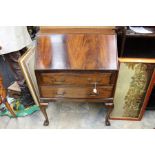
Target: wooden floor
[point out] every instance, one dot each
(75, 116)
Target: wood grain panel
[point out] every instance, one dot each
(76, 52)
(44, 55)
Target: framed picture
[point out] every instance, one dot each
(132, 88)
(27, 65)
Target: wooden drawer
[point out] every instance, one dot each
(75, 92)
(76, 78)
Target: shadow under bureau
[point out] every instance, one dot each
(74, 65)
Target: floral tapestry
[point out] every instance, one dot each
(132, 84)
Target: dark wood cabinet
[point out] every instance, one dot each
(141, 46)
(74, 65)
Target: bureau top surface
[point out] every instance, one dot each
(77, 29)
(76, 52)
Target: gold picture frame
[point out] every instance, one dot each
(132, 87)
(27, 62)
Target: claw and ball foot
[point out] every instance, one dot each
(107, 123)
(46, 123)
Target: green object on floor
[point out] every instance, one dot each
(22, 112)
(18, 108)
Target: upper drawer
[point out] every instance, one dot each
(76, 78)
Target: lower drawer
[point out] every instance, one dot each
(75, 92)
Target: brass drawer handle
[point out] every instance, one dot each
(93, 94)
(57, 82)
(92, 82)
(61, 93)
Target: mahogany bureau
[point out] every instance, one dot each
(76, 64)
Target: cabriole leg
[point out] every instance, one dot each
(109, 107)
(43, 109)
